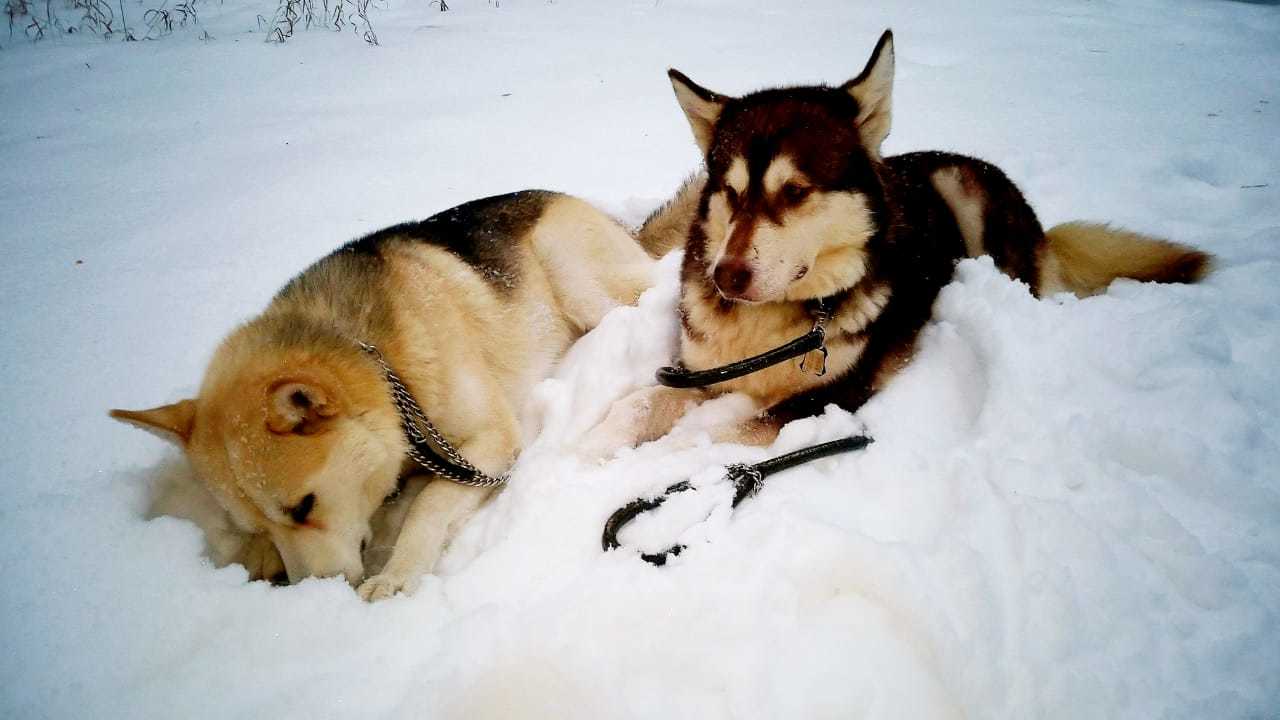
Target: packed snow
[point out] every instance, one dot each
(1071, 509)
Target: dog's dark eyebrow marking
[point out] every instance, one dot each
(300, 511)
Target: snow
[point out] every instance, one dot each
(1071, 508)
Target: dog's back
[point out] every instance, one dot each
(988, 213)
(295, 430)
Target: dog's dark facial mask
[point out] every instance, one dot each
(793, 189)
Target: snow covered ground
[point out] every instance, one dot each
(1072, 508)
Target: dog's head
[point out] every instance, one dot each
(300, 443)
(793, 187)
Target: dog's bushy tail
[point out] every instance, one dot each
(1083, 258)
(668, 227)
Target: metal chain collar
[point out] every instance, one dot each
(447, 461)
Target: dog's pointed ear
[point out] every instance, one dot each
(873, 89)
(173, 422)
(701, 106)
(302, 407)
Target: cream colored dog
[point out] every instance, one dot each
(294, 430)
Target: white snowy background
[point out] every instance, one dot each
(1072, 508)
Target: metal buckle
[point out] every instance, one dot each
(823, 369)
(819, 326)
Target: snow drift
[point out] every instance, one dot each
(1071, 508)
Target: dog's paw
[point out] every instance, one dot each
(384, 585)
(603, 442)
(259, 556)
(600, 447)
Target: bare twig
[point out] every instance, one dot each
(321, 13)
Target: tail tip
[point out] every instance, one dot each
(1189, 266)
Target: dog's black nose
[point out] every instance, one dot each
(733, 277)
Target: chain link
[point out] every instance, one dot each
(414, 421)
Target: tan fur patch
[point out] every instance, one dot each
(862, 309)
(668, 227)
(1084, 258)
(757, 432)
(873, 89)
(736, 176)
(592, 261)
(780, 172)
(837, 226)
(717, 230)
(175, 420)
(644, 415)
(967, 203)
(701, 108)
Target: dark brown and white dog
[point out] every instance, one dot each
(798, 210)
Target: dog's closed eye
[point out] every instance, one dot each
(302, 510)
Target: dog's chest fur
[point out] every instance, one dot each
(716, 334)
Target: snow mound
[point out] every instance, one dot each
(1071, 508)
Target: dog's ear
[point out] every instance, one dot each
(873, 89)
(172, 422)
(302, 407)
(701, 106)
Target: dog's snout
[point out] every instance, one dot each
(320, 554)
(733, 277)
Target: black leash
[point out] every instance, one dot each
(747, 479)
(815, 339)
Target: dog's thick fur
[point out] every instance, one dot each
(294, 431)
(797, 205)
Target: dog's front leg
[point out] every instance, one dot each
(759, 431)
(437, 513)
(433, 518)
(646, 414)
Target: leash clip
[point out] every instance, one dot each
(822, 369)
(819, 328)
(747, 481)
